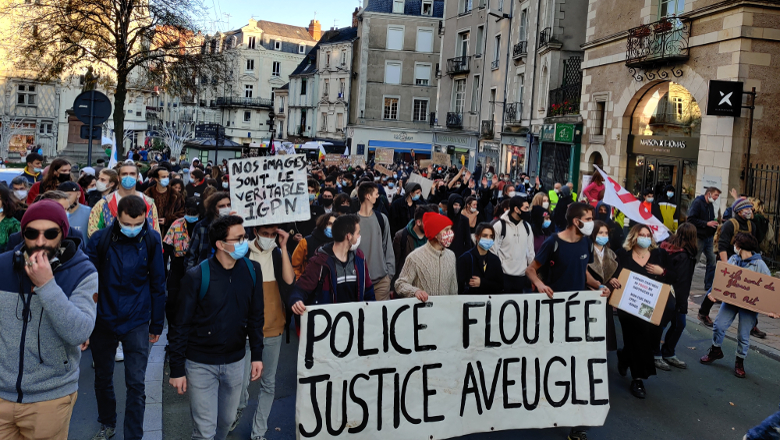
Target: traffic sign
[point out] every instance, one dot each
(92, 103)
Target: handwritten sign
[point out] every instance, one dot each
(441, 158)
(269, 190)
(640, 296)
(383, 170)
(333, 160)
(425, 163)
(452, 366)
(357, 161)
(425, 184)
(384, 155)
(747, 289)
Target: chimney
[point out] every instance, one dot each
(315, 30)
(354, 17)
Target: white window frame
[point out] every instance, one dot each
(599, 98)
(398, 6)
(276, 68)
(250, 65)
(343, 88)
(301, 48)
(454, 102)
(249, 90)
(429, 5)
(277, 44)
(523, 31)
(247, 116)
(324, 121)
(325, 87)
(400, 71)
(428, 79)
(417, 47)
(427, 108)
(252, 42)
(520, 88)
(395, 27)
(344, 57)
(459, 42)
(497, 48)
(397, 106)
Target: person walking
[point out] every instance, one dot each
(561, 207)
(169, 204)
(402, 209)
(221, 303)
(105, 211)
(59, 171)
(8, 223)
(665, 209)
(131, 310)
(78, 214)
(321, 235)
(176, 243)
(702, 214)
(514, 245)
(216, 206)
(479, 270)
(48, 312)
(377, 243)
(410, 238)
(603, 268)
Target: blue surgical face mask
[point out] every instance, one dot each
(602, 240)
(191, 218)
(644, 242)
(416, 197)
(391, 185)
(312, 197)
(239, 250)
(131, 231)
(546, 224)
(650, 199)
(486, 243)
(441, 211)
(165, 182)
(670, 194)
(329, 232)
(128, 182)
(38, 170)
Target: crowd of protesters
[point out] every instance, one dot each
(101, 260)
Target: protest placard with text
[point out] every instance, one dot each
(384, 155)
(333, 160)
(383, 170)
(441, 159)
(747, 289)
(269, 190)
(425, 184)
(455, 365)
(640, 296)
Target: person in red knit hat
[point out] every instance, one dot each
(430, 269)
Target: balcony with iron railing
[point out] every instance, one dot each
(487, 130)
(513, 113)
(565, 100)
(454, 120)
(520, 50)
(659, 43)
(545, 36)
(458, 65)
(233, 101)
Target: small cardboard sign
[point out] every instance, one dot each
(357, 161)
(384, 155)
(441, 159)
(333, 160)
(383, 170)
(641, 296)
(425, 163)
(747, 289)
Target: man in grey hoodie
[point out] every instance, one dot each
(47, 306)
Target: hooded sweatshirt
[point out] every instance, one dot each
(461, 242)
(400, 210)
(61, 317)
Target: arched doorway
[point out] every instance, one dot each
(663, 146)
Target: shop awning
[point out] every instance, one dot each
(400, 147)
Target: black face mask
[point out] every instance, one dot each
(326, 202)
(525, 215)
(64, 177)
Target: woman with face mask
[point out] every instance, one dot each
(541, 224)
(321, 235)
(430, 269)
(640, 254)
(58, 172)
(479, 270)
(603, 268)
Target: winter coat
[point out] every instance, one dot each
(491, 278)
(681, 265)
(317, 285)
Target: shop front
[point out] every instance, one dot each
(457, 146)
(407, 145)
(514, 155)
(559, 153)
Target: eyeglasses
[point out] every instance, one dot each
(49, 234)
(237, 240)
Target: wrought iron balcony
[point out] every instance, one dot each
(545, 36)
(565, 100)
(656, 44)
(232, 101)
(513, 112)
(458, 65)
(520, 49)
(432, 119)
(487, 129)
(494, 64)
(454, 120)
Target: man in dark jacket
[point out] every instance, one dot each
(410, 238)
(197, 183)
(221, 303)
(402, 209)
(461, 241)
(130, 309)
(702, 214)
(216, 206)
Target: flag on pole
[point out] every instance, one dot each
(617, 196)
(112, 140)
(322, 153)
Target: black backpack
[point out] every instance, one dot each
(503, 227)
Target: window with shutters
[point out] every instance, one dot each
(422, 74)
(424, 40)
(395, 37)
(392, 72)
(391, 107)
(420, 110)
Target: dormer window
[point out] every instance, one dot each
(277, 45)
(398, 6)
(302, 48)
(427, 8)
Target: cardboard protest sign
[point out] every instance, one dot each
(747, 289)
(425, 184)
(425, 163)
(441, 159)
(357, 161)
(640, 296)
(383, 170)
(455, 365)
(333, 160)
(269, 190)
(384, 155)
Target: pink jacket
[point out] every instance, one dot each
(592, 192)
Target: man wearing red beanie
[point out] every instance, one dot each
(48, 311)
(430, 269)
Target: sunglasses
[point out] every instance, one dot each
(49, 234)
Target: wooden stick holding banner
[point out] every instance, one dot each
(269, 190)
(747, 289)
(640, 296)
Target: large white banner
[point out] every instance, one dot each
(455, 365)
(620, 198)
(269, 190)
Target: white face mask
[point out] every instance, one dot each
(473, 209)
(546, 205)
(510, 194)
(101, 186)
(586, 228)
(21, 194)
(266, 243)
(355, 246)
(224, 211)
(736, 250)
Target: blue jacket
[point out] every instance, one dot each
(699, 213)
(132, 280)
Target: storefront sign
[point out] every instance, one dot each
(564, 133)
(451, 366)
(548, 133)
(489, 147)
(679, 147)
(725, 98)
(514, 140)
(747, 289)
(451, 139)
(403, 137)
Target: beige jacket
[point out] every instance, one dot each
(428, 270)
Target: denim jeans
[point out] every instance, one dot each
(769, 429)
(271, 348)
(705, 246)
(136, 349)
(215, 391)
(726, 315)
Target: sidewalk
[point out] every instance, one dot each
(769, 346)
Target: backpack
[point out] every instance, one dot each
(205, 276)
(735, 223)
(503, 227)
(544, 272)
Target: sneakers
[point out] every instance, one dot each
(739, 368)
(705, 319)
(757, 333)
(676, 362)
(713, 355)
(638, 389)
(238, 419)
(578, 435)
(662, 365)
(105, 433)
(120, 354)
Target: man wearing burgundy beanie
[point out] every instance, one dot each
(47, 307)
